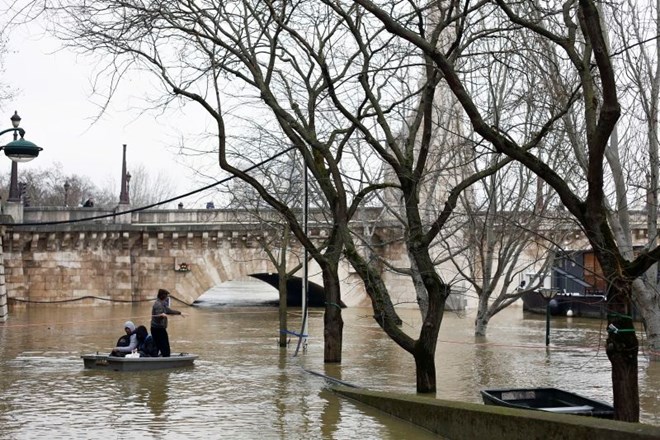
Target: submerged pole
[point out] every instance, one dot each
(547, 322)
(305, 283)
(302, 340)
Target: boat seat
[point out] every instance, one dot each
(569, 409)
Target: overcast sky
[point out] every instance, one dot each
(54, 99)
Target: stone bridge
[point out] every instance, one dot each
(53, 256)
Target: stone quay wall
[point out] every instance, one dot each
(468, 421)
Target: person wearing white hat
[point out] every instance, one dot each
(127, 343)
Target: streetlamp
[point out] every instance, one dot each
(19, 150)
(67, 186)
(548, 294)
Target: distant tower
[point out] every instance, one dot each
(124, 198)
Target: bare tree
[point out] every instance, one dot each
(282, 179)
(636, 26)
(576, 30)
(46, 187)
(146, 188)
(325, 78)
(506, 251)
(504, 235)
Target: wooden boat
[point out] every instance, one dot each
(115, 363)
(548, 399)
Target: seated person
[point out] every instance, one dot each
(145, 343)
(127, 343)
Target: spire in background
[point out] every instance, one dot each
(124, 198)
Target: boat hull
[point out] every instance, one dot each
(114, 363)
(566, 304)
(549, 400)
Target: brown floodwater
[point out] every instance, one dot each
(245, 386)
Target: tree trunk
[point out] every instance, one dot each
(481, 321)
(333, 323)
(652, 322)
(281, 287)
(420, 290)
(481, 325)
(622, 350)
(424, 368)
(648, 305)
(283, 279)
(424, 347)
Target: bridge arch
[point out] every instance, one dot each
(294, 288)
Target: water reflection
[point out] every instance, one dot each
(148, 389)
(244, 386)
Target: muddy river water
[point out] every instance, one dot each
(245, 386)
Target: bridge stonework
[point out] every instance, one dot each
(124, 262)
(129, 257)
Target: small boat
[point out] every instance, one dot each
(548, 399)
(567, 304)
(330, 379)
(116, 363)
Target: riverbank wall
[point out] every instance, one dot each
(468, 421)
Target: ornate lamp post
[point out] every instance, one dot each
(547, 294)
(14, 191)
(19, 150)
(67, 186)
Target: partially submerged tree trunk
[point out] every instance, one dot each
(422, 349)
(483, 317)
(333, 322)
(647, 300)
(622, 350)
(282, 281)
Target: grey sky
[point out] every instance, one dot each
(54, 99)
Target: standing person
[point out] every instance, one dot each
(159, 312)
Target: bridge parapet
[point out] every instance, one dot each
(151, 216)
(45, 214)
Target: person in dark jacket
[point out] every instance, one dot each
(145, 342)
(159, 313)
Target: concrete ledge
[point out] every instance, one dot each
(459, 420)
